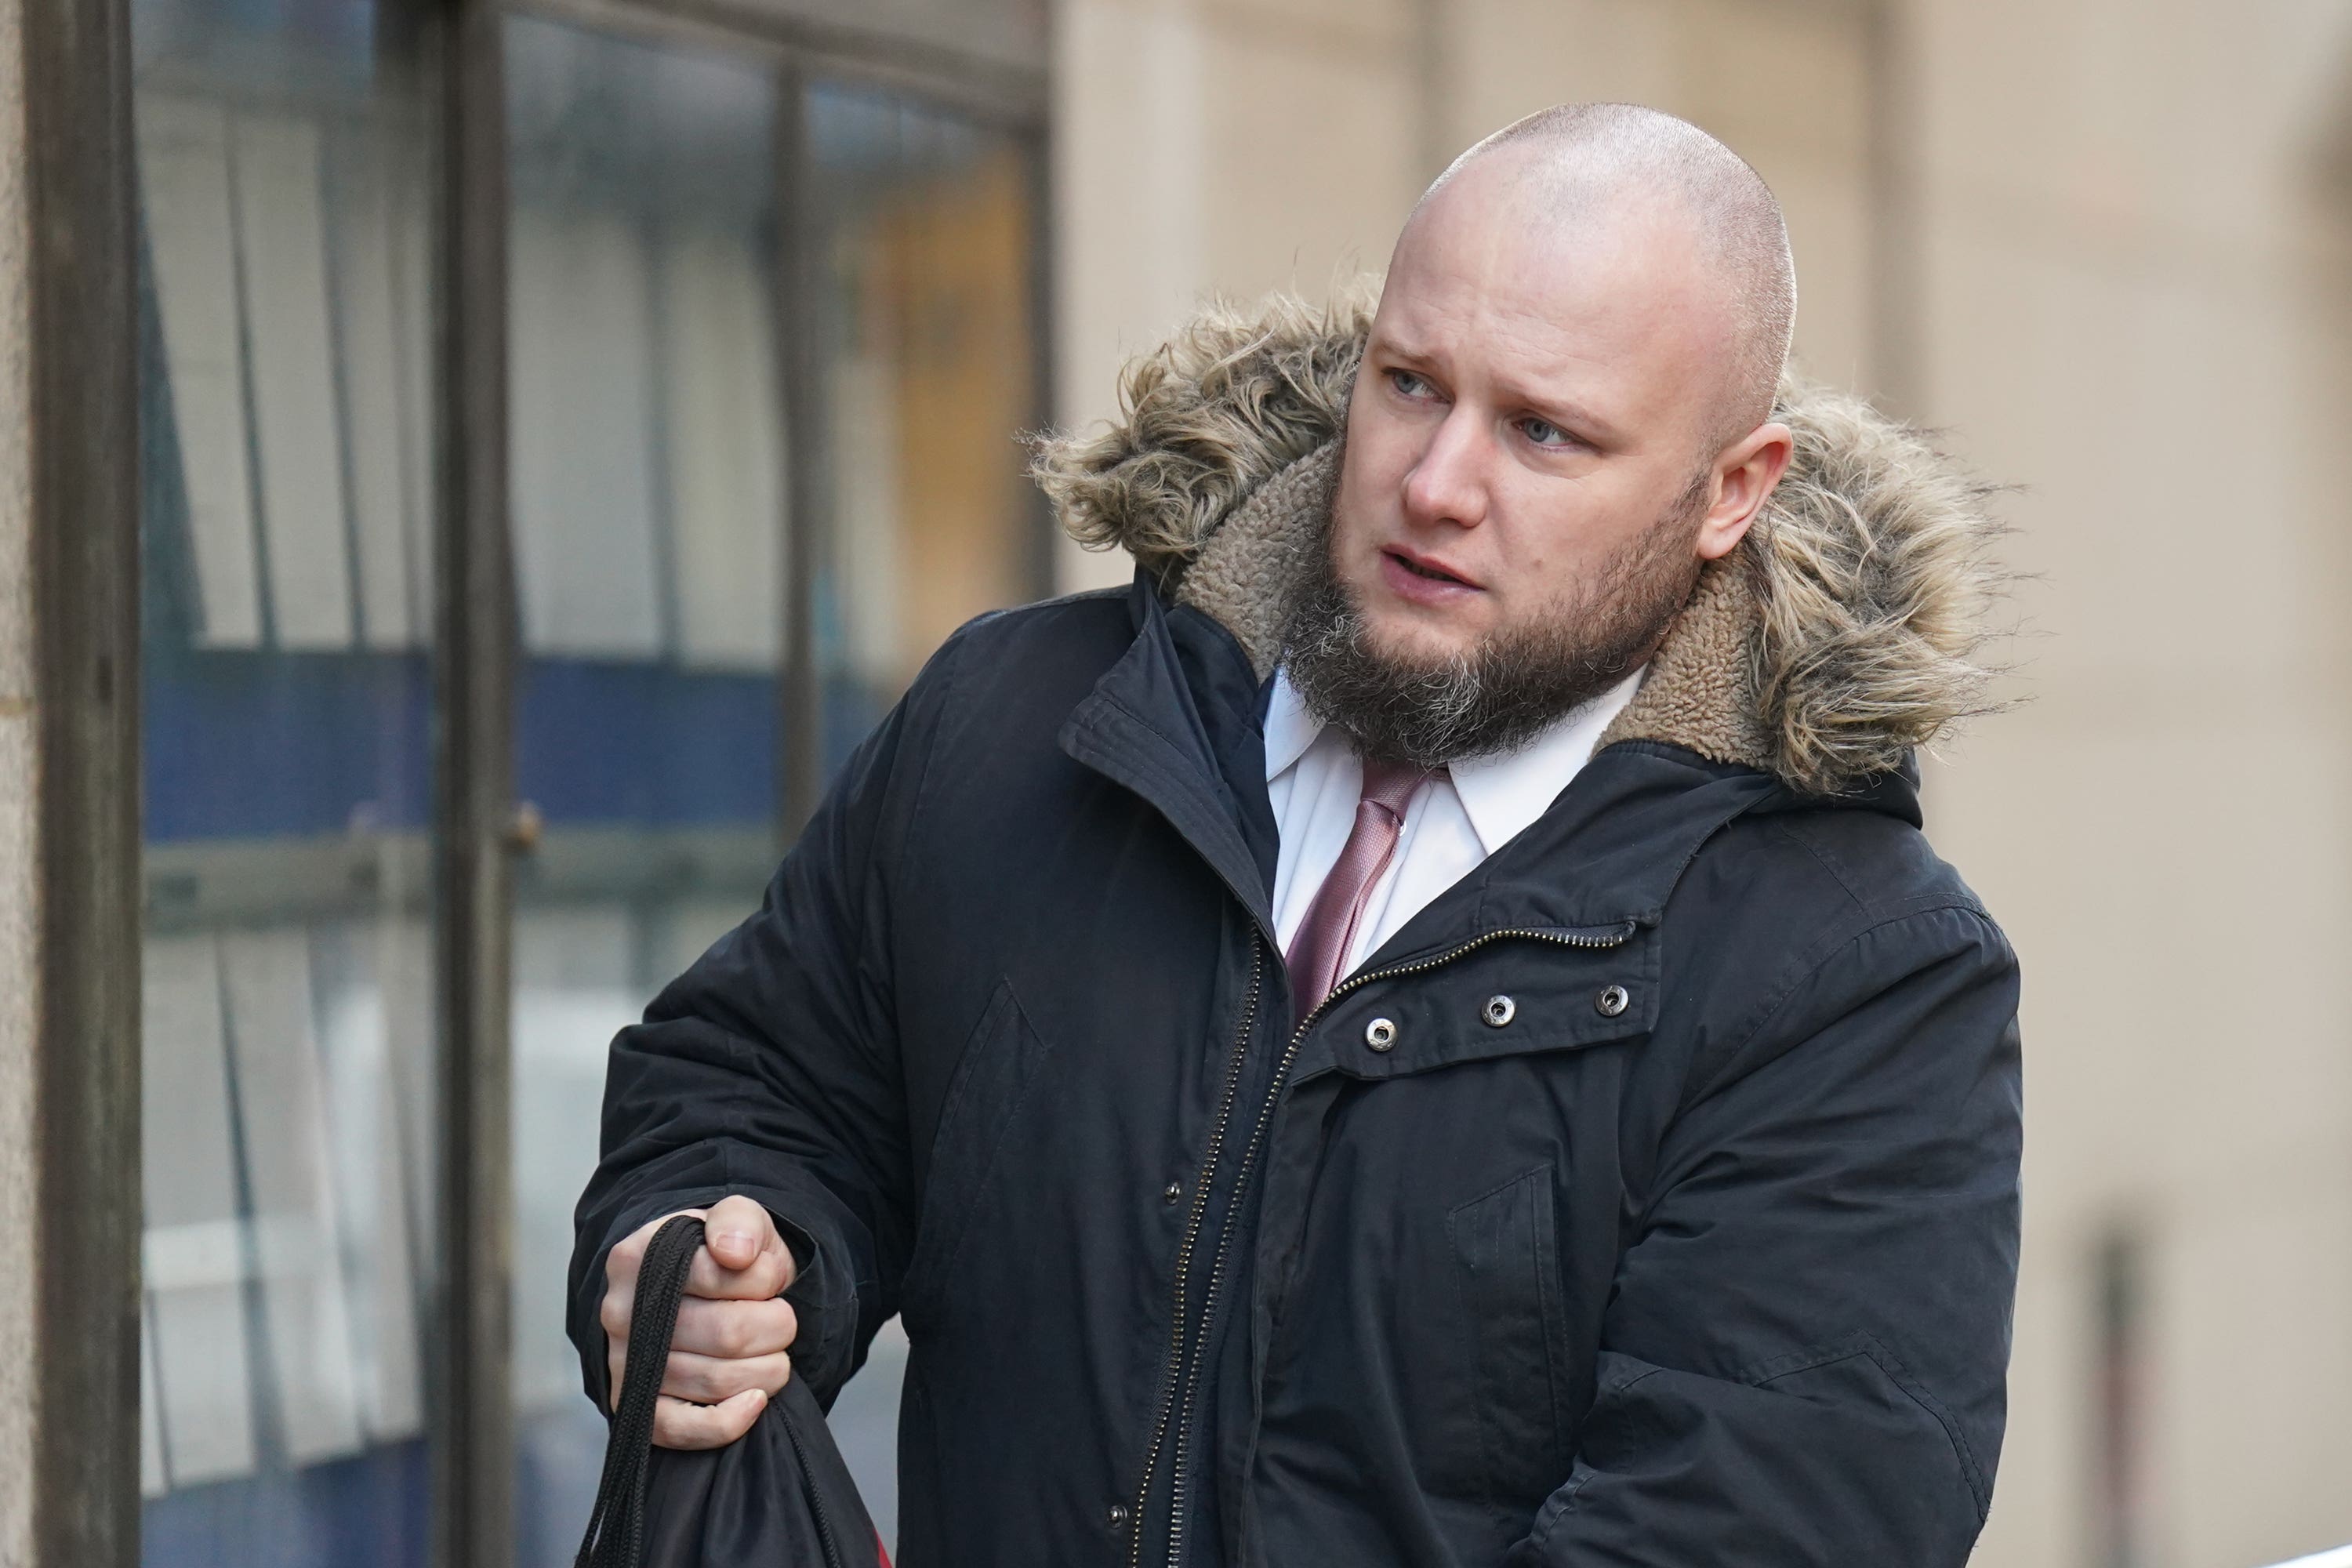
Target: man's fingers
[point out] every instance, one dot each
(612, 1317)
(768, 1273)
(730, 1313)
(612, 1313)
(732, 1331)
(678, 1424)
(706, 1380)
(740, 1236)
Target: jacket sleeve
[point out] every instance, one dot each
(1804, 1357)
(770, 1068)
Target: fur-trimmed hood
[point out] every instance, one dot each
(1839, 636)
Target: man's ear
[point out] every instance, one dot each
(1745, 475)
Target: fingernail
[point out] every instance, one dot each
(734, 1238)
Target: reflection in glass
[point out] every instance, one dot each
(929, 363)
(648, 527)
(284, 193)
(652, 575)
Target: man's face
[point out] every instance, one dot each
(1537, 395)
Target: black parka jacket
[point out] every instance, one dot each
(1651, 1198)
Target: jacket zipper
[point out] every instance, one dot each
(1191, 1376)
(1201, 1185)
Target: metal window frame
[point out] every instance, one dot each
(800, 765)
(469, 1415)
(82, 314)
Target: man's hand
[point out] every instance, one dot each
(726, 1355)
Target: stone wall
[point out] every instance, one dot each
(2107, 247)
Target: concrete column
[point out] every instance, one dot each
(19, 972)
(1218, 147)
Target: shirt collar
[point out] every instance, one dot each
(1502, 794)
(1290, 729)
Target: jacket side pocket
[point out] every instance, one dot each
(1508, 1251)
(992, 1079)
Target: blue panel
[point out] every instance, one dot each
(363, 1512)
(645, 744)
(266, 745)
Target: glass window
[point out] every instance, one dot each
(653, 556)
(285, 270)
(648, 521)
(925, 239)
(287, 263)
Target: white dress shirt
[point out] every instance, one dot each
(1455, 819)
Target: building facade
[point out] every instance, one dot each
(2104, 248)
(472, 469)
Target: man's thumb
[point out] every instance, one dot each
(735, 1230)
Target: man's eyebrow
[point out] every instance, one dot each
(1389, 343)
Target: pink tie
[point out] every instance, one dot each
(1318, 949)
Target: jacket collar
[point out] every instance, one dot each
(1839, 636)
(1177, 720)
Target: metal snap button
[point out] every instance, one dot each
(1381, 1034)
(1612, 1000)
(1175, 1192)
(1117, 1515)
(1499, 1011)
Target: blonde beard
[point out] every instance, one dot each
(1515, 682)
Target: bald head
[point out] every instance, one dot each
(1586, 165)
(1562, 414)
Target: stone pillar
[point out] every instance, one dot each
(19, 966)
(69, 792)
(1224, 149)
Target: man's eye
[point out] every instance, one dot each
(1409, 384)
(1544, 433)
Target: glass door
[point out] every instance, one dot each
(707, 615)
(647, 425)
(286, 271)
(718, 251)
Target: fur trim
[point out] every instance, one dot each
(1206, 418)
(1842, 633)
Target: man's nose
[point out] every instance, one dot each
(1448, 485)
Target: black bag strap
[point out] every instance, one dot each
(616, 1525)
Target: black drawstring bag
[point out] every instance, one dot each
(777, 1497)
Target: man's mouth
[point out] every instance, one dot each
(1423, 567)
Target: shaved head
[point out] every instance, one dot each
(1585, 163)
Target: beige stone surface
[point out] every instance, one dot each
(2135, 302)
(1344, 126)
(1131, 187)
(2136, 309)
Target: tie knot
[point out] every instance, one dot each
(1390, 785)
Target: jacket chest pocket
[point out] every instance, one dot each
(1506, 1251)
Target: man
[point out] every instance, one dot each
(1426, 1032)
